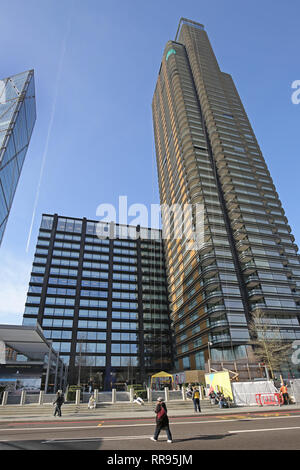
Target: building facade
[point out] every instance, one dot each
(17, 118)
(102, 299)
(207, 154)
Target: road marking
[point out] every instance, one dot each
(264, 430)
(112, 438)
(173, 423)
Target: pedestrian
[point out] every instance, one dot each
(60, 399)
(189, 391)
(138, 400)
(213, 398)
(196, 399)
(162, 420)
(284, 393)
(222, 402)
(92, 403)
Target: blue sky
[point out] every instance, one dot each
(96, 65)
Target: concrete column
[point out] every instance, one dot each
(4, 398)
(113, 395)
(56, 373)
(48, 370)
(23, 397)
(41, 398)
(183, 391)
(131, 394)
(167, 394)
(77, 398)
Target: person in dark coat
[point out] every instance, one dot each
(60, 399)
(162, 420)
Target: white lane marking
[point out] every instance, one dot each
(104, 426)
(113, 438)
(264, 430)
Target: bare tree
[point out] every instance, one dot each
(267, 343)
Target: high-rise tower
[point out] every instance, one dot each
(17, 118)
(207, 153)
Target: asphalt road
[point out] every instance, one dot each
(262, 431)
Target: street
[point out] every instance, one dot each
(278, 430)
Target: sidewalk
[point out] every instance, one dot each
(139, 413)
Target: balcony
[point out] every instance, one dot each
(213, 297)
(237, 223)
(252, 281)
(206, 259)
(220, 339)
(216, 309)
(219, 324)
(239, 234)
(245, 256)
(232, 203)
(257, 306)
(210, 283)
(249, 268)
(243, 245)
(209, 271)
(255, 294)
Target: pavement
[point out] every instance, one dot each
(33, 413)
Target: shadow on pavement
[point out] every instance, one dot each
(204, 437)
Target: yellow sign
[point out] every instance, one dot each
(220, 382)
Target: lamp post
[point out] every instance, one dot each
(209, 356)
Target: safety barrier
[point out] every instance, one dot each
(269, 399)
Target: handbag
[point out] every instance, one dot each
(161, 413)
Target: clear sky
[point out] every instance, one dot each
(96, 64)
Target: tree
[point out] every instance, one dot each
(267, 343)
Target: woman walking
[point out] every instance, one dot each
(162, 420)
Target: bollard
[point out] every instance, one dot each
(149, 395)
(113, 395)
(23, 397)
(77, 398)
(41, 398)
(96, 395)
(167, 394)
(183, 392)
(131, 394)
(4, 398)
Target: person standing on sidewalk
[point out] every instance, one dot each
(284, 393)
(162, 420)
(60, 399)
(196, 399)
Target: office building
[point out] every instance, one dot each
(17, 118)
(101, 299)
(207, 154)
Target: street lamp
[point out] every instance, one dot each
(209, 356)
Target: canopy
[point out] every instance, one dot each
(162, 374)
(159, 378)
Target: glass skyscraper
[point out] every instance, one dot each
(17, 118)
(207, 154)
(102, 301)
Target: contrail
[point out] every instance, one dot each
(58, 76)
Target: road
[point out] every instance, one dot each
(278, 430)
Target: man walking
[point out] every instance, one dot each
(60, 399)
(196, 399)
(162, 420)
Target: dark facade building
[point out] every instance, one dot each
(102, 299)
(17, 118)
(207, 154)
